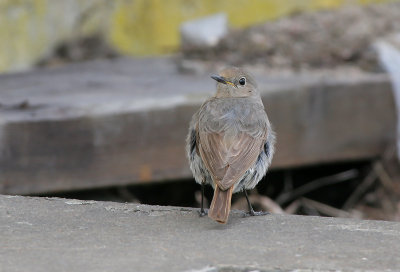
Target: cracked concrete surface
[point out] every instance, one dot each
(52, 234)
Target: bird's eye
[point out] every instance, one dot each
(242, 81)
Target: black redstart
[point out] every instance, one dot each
(230, 142)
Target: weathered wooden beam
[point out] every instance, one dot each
(123, 122)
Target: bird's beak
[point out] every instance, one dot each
(219, 79)
(222, 80)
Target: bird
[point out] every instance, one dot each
(230, 143)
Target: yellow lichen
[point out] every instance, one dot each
(148, 27)
(30, 29)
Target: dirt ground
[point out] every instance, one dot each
(324, 39)
(314, 40)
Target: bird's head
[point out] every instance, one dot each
(235, 82)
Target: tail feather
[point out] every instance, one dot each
(221, 205)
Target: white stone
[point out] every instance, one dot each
(204, 32)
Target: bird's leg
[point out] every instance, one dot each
(202, 211)
(251, 211)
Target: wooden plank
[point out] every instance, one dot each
(116, 123)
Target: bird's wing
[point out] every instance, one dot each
(229, 157)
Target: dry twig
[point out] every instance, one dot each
(324, 208)
(361, 189)
(316, 184)
(385, 179)
(293, 207)
(264, 202)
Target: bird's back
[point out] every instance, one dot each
(231, 135)
(231, 116)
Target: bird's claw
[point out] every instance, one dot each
(253, 213)
(203, 212)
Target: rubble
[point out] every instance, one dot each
(315, 40)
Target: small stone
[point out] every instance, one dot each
(204, 32)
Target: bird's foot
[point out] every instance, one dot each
(253, 213)
(203, 213)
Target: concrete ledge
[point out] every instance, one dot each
(50, 234)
